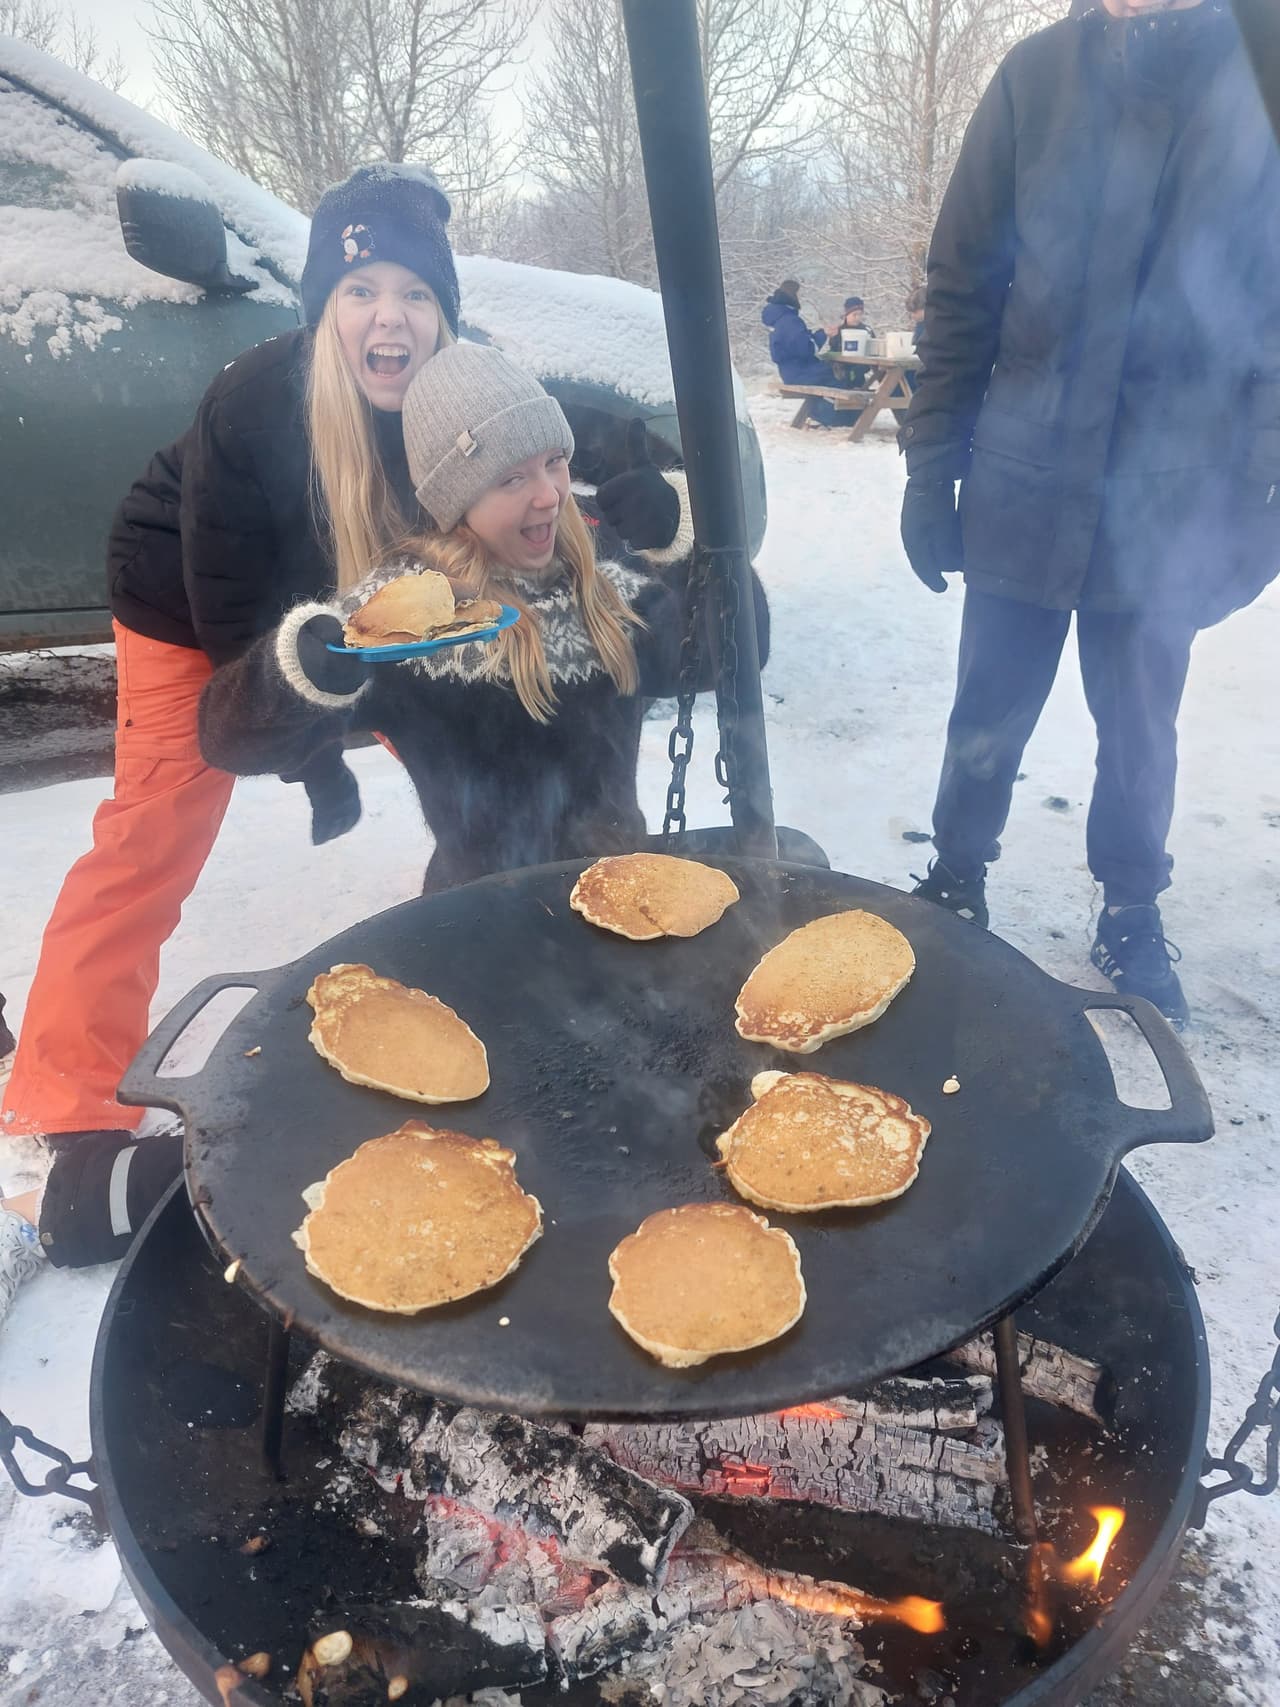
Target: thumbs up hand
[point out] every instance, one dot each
(640, 506)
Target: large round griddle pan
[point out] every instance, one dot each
(614, 1066)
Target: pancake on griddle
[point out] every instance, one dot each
(704, 1279)
(647, 895)
(402, 611)
(809, 1142)
(829, 977)
(378, 1032)
(417, 1218)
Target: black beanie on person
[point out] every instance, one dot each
(381, 213)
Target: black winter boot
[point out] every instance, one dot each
(1132, 950)
(964, 896)
(100, 1189)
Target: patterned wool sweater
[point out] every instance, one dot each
(498, 789)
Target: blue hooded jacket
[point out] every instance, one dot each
(792, 346)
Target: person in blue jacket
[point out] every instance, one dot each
(793, 348)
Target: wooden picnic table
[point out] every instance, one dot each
(888, 391)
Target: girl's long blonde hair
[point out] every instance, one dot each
(351, 495)
(461, 556)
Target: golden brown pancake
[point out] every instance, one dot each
(829, 977)
(418, 1218)
(472, 616)
(646, 895)
(381, 1033)
(809, 1142)
(703, 1279)
(402, 611)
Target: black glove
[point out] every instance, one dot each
(640, 506)
(331, 672)
(931, 530)
(334, 794)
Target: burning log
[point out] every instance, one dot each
(792, 1624)
(1048, 1373)
(468, 1555)
(601, 1513)
(827, 1460)
(943, 1405)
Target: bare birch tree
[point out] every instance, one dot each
(65, 35)
(761, 60)
(903, 92)
(297, 93)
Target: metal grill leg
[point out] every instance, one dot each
(274, 1385)
(1013, 1413)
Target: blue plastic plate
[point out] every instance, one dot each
(423, 648)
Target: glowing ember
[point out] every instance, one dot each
(747, 1480)
(825, 1413)
(1041, 1567)
(1088, 1567)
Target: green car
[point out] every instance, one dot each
(135, 265)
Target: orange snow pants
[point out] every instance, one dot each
(88, 1011)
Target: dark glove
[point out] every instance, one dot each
(331, 672)
(640, 506)
(335, 799)
(931, 530)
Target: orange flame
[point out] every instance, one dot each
(1088, 1566)
(926, 1616)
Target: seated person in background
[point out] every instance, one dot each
(855, 321)
(793, 349)
(915, 308)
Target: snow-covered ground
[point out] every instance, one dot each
(858, 692)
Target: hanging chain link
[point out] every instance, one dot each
(680, 742)
(1262, 1418)
(58, 1479)
(727, 684)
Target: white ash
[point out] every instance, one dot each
(766, 1652)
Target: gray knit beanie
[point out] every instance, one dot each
(470, 414)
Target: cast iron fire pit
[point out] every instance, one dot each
(613, 1066)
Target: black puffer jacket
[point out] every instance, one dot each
(1102, 342)
(498, 790)
(219, 537)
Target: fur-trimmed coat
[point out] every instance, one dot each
(498, 789)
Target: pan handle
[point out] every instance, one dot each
(142, 1086)
(1189, 1119)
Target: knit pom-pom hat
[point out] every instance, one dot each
(381, 213)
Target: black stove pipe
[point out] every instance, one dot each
(666, 72)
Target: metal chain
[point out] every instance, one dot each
(727, 684)
(1262, 1418)
(680, 742)
(58, 1479)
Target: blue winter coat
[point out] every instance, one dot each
(792, 345)
(1102, 347)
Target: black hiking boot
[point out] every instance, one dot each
(100, 1189)
(1132, 950)
(964, 896)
